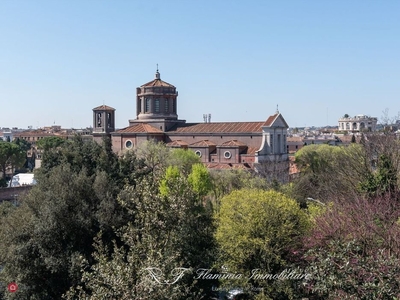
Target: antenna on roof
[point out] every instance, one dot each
(277, 110)
(209, 118)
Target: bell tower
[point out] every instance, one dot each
(103, 122)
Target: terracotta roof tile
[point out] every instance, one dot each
(139, 128)
(203, 143)
(270, 120)
(219, 127)
(234, 143)
(177, 143)
(157, 82)
(250, 151)
(104, 107)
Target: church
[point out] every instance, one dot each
(220, 145)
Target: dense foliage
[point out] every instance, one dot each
(257, 230)
(156, 224)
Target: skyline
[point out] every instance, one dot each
(236, 61)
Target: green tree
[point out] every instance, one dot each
(256, 230)
(200, 179)
(50, 142)
(46, 238)
(169, 230)
(23, 144)
(226, 181)
(383, 180)
(11, 157)
(155, 155)
(183, 159)
(328, 172)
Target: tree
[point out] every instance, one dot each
(11, 156)
(183, 159)
(328, 172)
(75, 199)
(256, 230)
(50, 142)
(356, 242)
(155, 155)
(171, 229)
(383, 180)
(23, 144)
(199, 180)
(226, 181)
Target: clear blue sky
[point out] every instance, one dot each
(234, 59)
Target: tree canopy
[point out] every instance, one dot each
(12, 156)
(256, 230)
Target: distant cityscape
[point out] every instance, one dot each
(219, 145)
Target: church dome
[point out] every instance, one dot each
(156, 99)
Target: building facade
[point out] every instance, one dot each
(218, 144)
(359, 123)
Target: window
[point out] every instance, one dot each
(279, 144)
(227, 154)
(147, 108)
(174, 106)
(166, 107)
(198, 153)
(109, 120)
(128, 144)
(271, 142)
(157, 105)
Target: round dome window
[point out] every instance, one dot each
(128, 144)
(227, 154)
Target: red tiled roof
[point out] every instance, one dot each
(250, 151)
(203, 143)
(104, 107)
(270, 120)
(157, 82)
(219, 127)
(139, 128)
(177, 143)
(234, 143)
